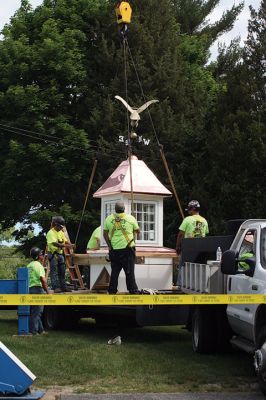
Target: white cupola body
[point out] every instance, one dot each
(148, 195)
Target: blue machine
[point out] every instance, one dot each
(19, 286)
(15, 377)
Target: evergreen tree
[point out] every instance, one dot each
(235, 168)
(192, 16)
(61, 66)
(255, 56)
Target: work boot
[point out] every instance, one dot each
(66, 290)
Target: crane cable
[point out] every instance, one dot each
(157, 139)
(123, 12)
(126, 46)
(128, 130)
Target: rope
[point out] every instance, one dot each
(143, 95)
(86, 197)
(171, 181)
(157, 139)
(128, 129)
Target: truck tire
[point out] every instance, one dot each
(203, 335)
(57, 318)
(261, 339)
(51, 318)
(223, 331)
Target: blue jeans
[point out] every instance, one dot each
(57, 271)
(36, 325)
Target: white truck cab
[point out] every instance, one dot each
(242, 270)
(250, 242)
(245, 267)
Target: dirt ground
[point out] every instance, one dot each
(67, 393)
(54, 392)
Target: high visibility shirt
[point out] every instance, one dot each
(54, 236)
(36, 271)
(116, 235)
(243, 257)
(194, 226)
(95, 237)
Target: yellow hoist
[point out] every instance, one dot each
(123, 13)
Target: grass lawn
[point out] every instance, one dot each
(149, 360)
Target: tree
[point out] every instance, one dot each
(192, 16)
(234, 172)
(61, 66)
(43, 75)
(255, 56)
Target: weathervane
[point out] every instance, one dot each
(134, 113)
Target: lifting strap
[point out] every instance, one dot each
(118, 225)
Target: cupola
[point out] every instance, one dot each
(148, 195)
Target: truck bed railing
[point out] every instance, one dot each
(202, 278)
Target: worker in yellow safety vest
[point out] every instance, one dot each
(193, 226)
(119, 233)
(56, 242)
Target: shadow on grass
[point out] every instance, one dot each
(149, 359)
(171, 348)
(132, 334)
(173, 340)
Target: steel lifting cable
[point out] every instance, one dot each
(128, 130)
(157, 139)
(86, 197)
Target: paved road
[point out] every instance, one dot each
(167, 396)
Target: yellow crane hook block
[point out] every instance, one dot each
(123, 12)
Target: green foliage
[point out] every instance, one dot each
(234, 171)
(7, 235)
(10, 260)
(61, 66)
(192, 15)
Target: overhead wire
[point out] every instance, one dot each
(55, 143)
(103, 151)
(30, 131)
(42, 137)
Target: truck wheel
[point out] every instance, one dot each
(203, 338)
(51, 318)
(260, 359)
(58, 318)
(223, 331)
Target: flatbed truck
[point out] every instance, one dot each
(214, 328)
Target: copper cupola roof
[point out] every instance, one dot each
(143, 180)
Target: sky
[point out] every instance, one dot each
(8, 7)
